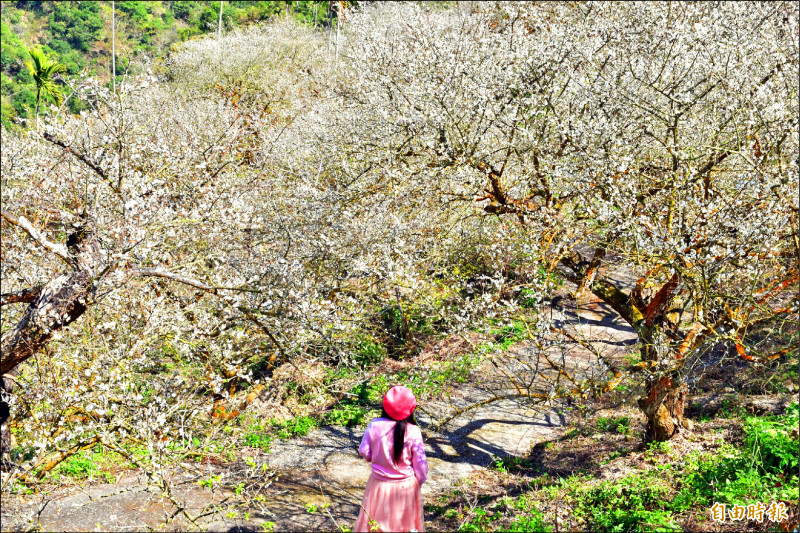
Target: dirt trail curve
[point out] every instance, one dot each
(324, 467)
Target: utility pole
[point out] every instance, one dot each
(219, 28)
(330, 25)
(113, 49)
(338, 16)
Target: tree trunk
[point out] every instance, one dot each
(664, 402)
(6, 386)
(58, 303)
(219, 26)
(62, 300)
(664, 417)
(36, 111)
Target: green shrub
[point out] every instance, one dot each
(509, 335)
(369, 353)
(765, 470)
(480, 520)
(348, 415)
(77, 466)
(529, 298)
(770, 441)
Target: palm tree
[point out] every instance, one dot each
(43, 71)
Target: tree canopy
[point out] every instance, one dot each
(260, 198)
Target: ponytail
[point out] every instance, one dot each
(399, 434)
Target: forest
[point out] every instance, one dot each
(78, 35)
(570, 228)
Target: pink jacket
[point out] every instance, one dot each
(377, 445)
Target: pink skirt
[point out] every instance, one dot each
(391, 506)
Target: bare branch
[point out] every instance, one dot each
(160, 273)
(85, 160)
(59, 249)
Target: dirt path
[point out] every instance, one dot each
(324, 467)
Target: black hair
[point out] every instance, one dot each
(399, 433)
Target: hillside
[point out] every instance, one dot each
(77, 34)
(570, 229)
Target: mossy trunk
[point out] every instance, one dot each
(664, 418)
(665, 399)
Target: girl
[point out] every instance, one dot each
(393, 444)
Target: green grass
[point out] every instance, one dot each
(509, 463)
(257, 438)
(633, 503)
(506, 336)
(86, 464)
(295, 427)
(763, 469)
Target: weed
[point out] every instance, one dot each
(620, 425)
(348, 415)
(19, 488)
(765, 470)
(77, 466)
(532, 521)
(631, 503)
(529, 298)
(369, 353)
(208, 483)
(612, 456)
(257, 438)
(295, 427)
(509, 462)
(658, 448)
(509, 335)
(480, 519)
(261, 435)
(730, 408)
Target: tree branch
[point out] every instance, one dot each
(160, 273)
(603, 289)
(23, 296)
(59, 249)
(85, 160)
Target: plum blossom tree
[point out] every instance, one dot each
(155, 199)
(197, 214)
(260, 204)
(663, 135)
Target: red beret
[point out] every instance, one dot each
(399, 402)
